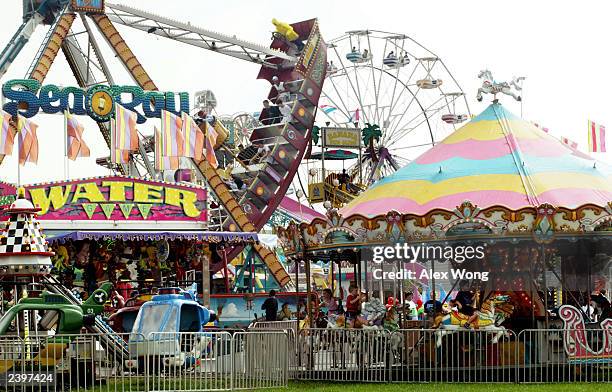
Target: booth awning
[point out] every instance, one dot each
(334, 155)
(209, 236)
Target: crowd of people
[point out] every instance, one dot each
(361, 310)
(358, 310)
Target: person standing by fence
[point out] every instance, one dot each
(270, 305)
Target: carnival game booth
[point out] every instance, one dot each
(504, 209)
(137, 234)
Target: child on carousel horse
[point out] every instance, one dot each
(465, 302)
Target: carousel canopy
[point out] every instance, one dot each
(495, 159)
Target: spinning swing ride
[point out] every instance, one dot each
(72, 25)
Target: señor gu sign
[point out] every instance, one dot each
(27, 97)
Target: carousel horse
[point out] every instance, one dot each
(490, 86)
(489, 318)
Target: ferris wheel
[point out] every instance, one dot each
(399, 93)
(243, 125)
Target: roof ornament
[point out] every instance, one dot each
(490, 86)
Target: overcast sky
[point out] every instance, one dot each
(561, 47)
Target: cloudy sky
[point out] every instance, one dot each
(556, 45)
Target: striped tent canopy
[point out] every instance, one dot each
(495, 159)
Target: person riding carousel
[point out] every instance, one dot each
(328, 302)
(464, 301)
(391, 55)
(373, 311)
(353, 304)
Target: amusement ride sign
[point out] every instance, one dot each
(114, 198)
(27, 97)
(341, 137)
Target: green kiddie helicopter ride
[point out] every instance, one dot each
(71, 318)
(60, 324)
(42, 332)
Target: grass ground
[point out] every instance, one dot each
(322, 386)
(407, 387)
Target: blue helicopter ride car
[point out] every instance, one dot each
(169, 330)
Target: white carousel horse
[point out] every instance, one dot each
(490, 317)
(490, 86)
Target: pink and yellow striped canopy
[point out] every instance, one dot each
(495, 159)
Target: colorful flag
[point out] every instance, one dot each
(76, 146)
(118, 156)
(355, 116)
(163, 162)
(193, 138)
(28, 141)
(172, 141)
(211, 139)
(327, 109)
(541, 127)
(597, 137)
(7, 136)
(570, 143)
(124, 131)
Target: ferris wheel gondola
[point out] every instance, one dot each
(359, 57)
(393, 61)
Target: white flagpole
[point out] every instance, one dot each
(66, 163)
(112, 149)
(18, 153)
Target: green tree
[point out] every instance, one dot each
(369, 135)
(315, 135)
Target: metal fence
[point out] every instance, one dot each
(417, 355)
(209, 361)
(263, 358)
(290, 327)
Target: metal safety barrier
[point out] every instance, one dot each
(457, 355)
(66, 362)
(194, 361)
(342, 355)
(261, 359)
(566, 355)
(289, 326)
(268, 358)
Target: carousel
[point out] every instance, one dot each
(536, 213)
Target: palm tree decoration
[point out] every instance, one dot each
(369, 135)
(315, 134)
